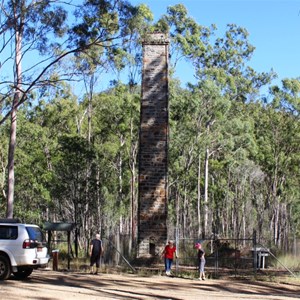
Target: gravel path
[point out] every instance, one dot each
(50, 285)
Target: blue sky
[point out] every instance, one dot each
(273, 26)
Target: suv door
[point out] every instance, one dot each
(8, 244)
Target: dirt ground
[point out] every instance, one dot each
(50, 285)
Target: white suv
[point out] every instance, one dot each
(22, 249)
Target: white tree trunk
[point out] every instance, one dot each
(199, 196)
(205, 204)
(13, 126)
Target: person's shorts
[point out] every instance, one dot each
(95, 259)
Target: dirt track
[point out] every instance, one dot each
(46, 285)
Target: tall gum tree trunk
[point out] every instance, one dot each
(133, 194)
(199, 195)
(205, 229)
(185, 212)
(13, 126)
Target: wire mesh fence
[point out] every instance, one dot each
(223, 256)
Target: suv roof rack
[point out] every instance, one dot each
(15, 220)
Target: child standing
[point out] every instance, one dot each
(201, 261)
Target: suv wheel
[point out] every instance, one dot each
(23, 273)
(5, 269)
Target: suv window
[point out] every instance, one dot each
(8, 232)
(35, 234)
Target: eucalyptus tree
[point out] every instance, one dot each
(39, 29)
(182, 178)
(226, 63)
(278, 139)
(36, 154)
(26, 26)
(33, 196)
(194, 114)
(288, 97)
(222, 62)
(233, 171)
(3, 163)
(187, 37)
(115, 123)
(73, 158)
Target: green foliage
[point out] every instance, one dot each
(76, 159)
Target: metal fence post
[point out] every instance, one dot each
(177, 248)
(254, 253)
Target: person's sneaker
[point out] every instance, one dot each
(203, 278)
(168, 273)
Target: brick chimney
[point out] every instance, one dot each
(153, 149)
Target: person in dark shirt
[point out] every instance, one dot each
(96, 251)
(201, 261)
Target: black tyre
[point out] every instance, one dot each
(5, 269)
(23, 273)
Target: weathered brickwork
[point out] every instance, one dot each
(152, 212)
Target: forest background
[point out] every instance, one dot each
(233, 153)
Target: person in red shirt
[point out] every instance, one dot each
(168, 254)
